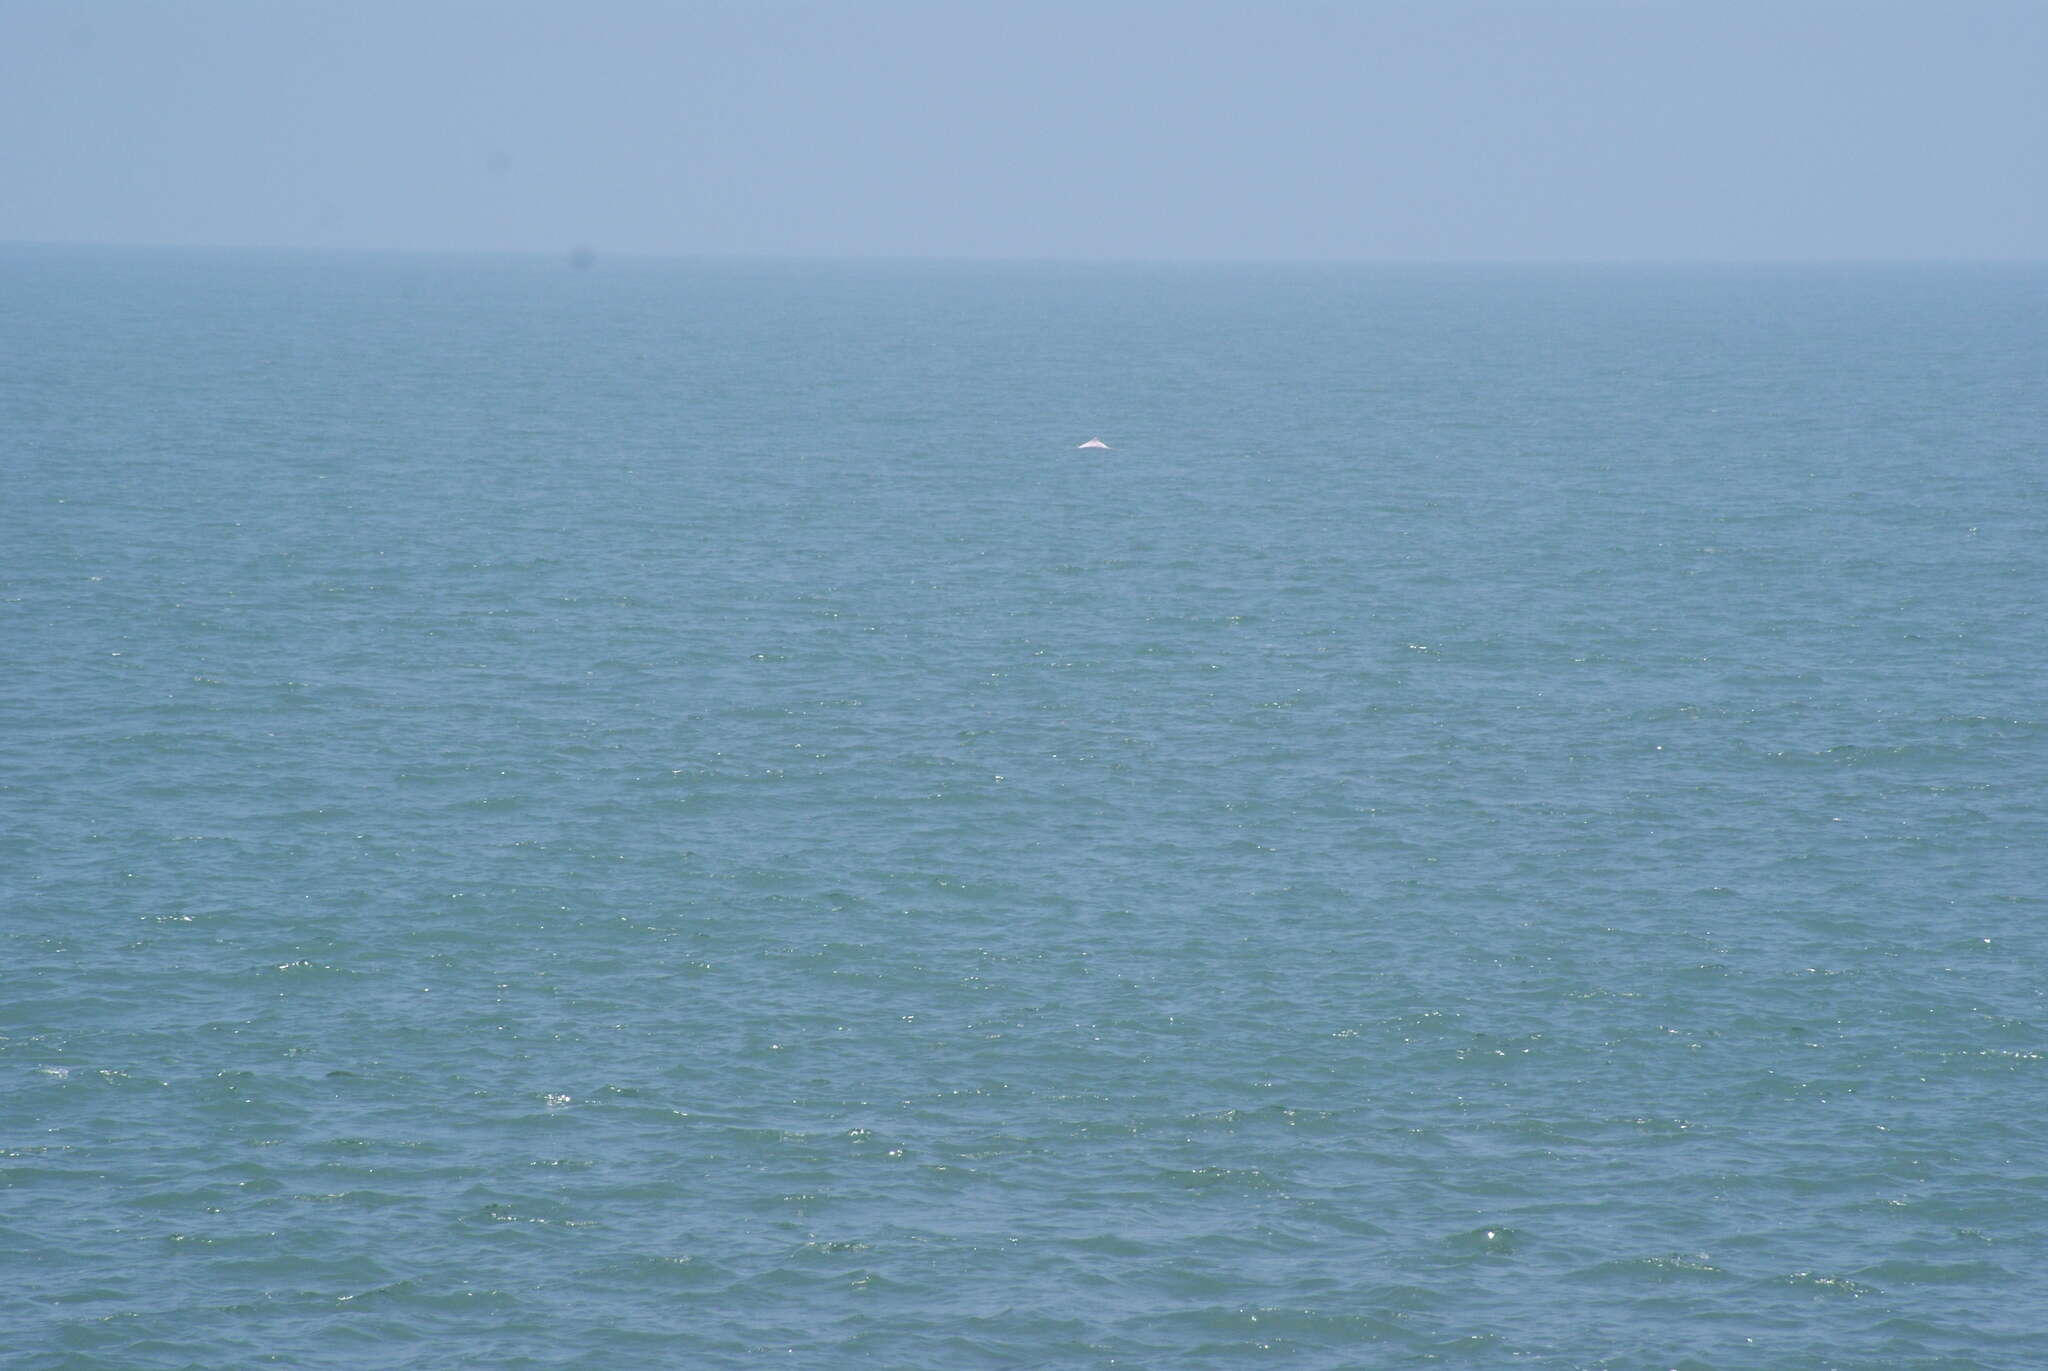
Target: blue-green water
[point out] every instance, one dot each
(665, 816)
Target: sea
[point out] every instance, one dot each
(625, 813)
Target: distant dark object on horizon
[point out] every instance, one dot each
(582, 258)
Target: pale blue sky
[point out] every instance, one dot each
(1122, 128)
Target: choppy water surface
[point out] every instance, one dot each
(665, 816)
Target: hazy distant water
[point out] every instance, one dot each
(665, 817)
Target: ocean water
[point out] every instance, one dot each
(664, 816)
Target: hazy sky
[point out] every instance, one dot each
(1120, 128)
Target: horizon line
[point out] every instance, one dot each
(589, 254)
